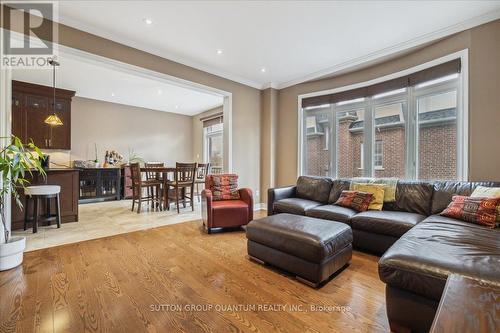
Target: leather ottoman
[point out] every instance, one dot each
(312, 249)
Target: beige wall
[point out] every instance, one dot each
(484, 100)
(198, 132)
(268, 124)
(153, 135)
(245, 99)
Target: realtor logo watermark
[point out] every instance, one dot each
(29, 37)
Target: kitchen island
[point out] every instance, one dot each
(68, 179)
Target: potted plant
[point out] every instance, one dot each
(16, 160)
(133, 157)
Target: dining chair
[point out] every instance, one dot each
(150, 175)
(184, 177)
(138, 185)
(201, 172)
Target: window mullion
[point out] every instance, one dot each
(411, 136)
(303, 142)
(462, 118)
(368, 139)
(333, 142)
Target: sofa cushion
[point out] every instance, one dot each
(332, 213)
(228, 213)
(294, 206)
(412, 197)
(445, 190)
(314, 188)
(314, 240)
(422, 259)
(338, 186)
(391, 223)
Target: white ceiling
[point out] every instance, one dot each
(91, 79)
(294, 41)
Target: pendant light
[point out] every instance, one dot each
(53, 119)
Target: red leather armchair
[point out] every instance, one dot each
(226, 213)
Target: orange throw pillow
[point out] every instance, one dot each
(356, 200)
(479, 210)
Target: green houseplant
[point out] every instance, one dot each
(16, 161)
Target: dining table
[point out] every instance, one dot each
(165, 172)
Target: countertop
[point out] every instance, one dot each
(101, 168)
(60, 169)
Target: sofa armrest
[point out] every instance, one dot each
(206, 208)
(279, 193)
(247, 196)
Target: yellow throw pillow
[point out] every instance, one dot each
(375, 189)
(390, 186)
(488, 192)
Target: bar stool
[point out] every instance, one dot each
(37, 193)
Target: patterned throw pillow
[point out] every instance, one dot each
(223, 187)
(489, 192)
(478, 210)
(354, 199)
(376, 189)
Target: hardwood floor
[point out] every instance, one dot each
(134, 282)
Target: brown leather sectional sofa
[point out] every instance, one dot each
(419, 248)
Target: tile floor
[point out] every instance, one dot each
(103, 219)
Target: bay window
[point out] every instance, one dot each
(408, 127)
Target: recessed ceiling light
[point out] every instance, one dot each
(177, 106)
(148, 21)
(219, 51)
(263, 69)
(160, 92)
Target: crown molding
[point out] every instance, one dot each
(393, 50)
(350, 65)
(269, 85)
(160, 53)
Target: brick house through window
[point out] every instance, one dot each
(436, 144)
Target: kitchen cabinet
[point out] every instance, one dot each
(17, 114)
(100, 184)
(31, 105)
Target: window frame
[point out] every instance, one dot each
(403, 98)
(438, 89)
(337, 109)
(207, 135)
(411, 125)
(332, 134)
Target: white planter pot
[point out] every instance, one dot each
(11, 253)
